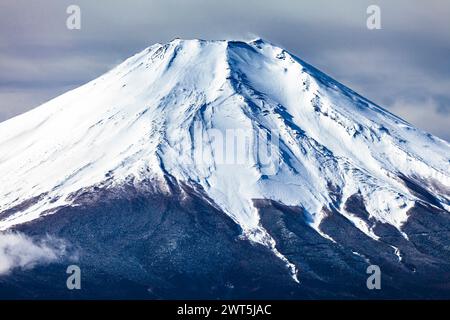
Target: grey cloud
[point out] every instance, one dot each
(423, 113)
(405, 63)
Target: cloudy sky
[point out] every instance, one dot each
(404, 67)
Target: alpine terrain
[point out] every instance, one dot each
(139, 179)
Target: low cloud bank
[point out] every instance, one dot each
(20, 251)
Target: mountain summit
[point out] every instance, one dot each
(147, 160)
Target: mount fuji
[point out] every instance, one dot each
(127, 174)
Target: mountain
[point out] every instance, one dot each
(224, 169)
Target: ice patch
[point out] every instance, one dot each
(20, 251)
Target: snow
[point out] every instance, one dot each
(143, 118)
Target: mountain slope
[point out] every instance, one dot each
(160, 123)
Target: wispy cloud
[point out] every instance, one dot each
(20, 251)
(404, 61)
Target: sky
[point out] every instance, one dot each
(404, 66)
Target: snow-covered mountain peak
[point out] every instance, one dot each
(175, 109)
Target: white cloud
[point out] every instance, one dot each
(20, 251)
